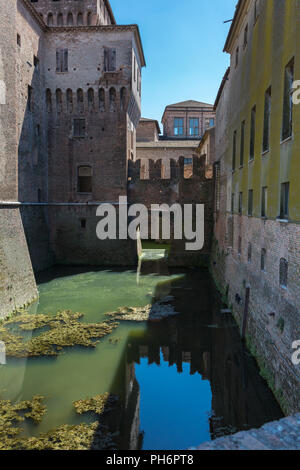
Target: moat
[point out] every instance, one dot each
(180, 382)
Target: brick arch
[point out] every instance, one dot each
(102, 104)
(50, 19)
(69, 95)
(80, 19)
(60, 19)
(70, 19)
(112, 99)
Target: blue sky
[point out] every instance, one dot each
(183, 42)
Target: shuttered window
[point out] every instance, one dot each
(61, 60)
(110, 56)
(79, 128)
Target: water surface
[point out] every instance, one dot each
(181, 382)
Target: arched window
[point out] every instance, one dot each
(79, 19)
(101, 100)
(80, 104)
(283, 272)
(112, 100)
(69, 100)
(58, 101)
(50, 19)
(123, 98)
(60, 19)
(70, 20)
(89, 19)
(48, 101)
(91, 99)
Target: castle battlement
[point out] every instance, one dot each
(168, 170)
(79, 13)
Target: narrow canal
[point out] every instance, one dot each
(181, 381)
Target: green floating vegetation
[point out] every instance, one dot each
(65, 330)
(99, 404)
(156, 312)
(12, 415)
(65, 437)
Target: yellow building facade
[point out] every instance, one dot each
(256, 255)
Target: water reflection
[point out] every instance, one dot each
(190, 377)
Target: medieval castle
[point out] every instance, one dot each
(72, 137)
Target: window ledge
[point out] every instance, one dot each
(286, 140)
(265, 152)
(251, 160)
(61, 73)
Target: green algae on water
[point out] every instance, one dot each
(65, 330)
(99, 404)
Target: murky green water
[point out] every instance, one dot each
(181, 381)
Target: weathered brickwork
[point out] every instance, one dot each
(176, 189)
(70, 93)
(250, 244)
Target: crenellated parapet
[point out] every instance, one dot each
(167, 170)
(74, 13)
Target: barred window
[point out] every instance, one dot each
(79, 128)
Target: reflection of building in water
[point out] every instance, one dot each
(210, 343)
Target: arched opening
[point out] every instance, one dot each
(79, 19)
(48, 101)
(91, 99)
(101, 100)
(123, 98)
(70, 20)
(69, 100)
(58, 101)
(80, 105)
(50, 19)
(89, 19)
(60, 19)
(112, 100)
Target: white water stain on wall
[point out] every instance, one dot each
(2, 82)
(2, 92)
(2, 135)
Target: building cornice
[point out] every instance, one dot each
(240, 11)
(104, 29)
(34, 14)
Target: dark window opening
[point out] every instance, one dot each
(263, 259)
(234, 150)
(283, 272)
(250, 202)
(243, 125)
(267, 117)
(240, 203)
(284, 200)
(287, 120)
(252, 133)
(84, 182)
(264, 201)
(83, 223)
